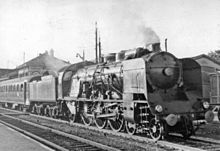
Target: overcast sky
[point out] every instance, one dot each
(192, 27)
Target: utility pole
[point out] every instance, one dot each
(96, 39)
(100, 50)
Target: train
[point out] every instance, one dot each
(139, 91)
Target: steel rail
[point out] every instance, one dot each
(89, 142)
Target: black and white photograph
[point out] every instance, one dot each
(109, 75)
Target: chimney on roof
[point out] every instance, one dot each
(51, 53)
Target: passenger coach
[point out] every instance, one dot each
(14, 92)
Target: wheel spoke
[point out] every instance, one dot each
(117, 123)
(130, 128)
(100, 123)
(155, 130)
(72, 118)
(87, 120)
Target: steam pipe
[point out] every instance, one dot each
(166, 44)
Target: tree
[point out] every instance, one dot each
(215, 55)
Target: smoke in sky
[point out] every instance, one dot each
(149, 36)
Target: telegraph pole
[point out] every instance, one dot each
(100, 50)
(96, 39)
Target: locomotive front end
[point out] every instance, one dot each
(163, 70)
(168, 97)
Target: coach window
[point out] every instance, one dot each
(21, 87)
(17, 87)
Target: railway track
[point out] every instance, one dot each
(55, 139)
(175, 141)
(171, 143)
(198, 143)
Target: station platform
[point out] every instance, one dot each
(11, 140)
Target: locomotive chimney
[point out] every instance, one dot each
(156, 47)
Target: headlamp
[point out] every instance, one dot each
(205, 104)
(158, 108)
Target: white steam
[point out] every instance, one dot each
(149, 36)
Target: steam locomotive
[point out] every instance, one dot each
(141, 91)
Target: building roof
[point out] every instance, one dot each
(5, 71)
(46, 62)
(207, 57)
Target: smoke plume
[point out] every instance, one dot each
(149, 36)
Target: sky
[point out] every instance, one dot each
(30, 27)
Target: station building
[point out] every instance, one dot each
(45, 63)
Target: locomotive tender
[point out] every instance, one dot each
(143, 91)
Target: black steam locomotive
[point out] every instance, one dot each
(139, 90)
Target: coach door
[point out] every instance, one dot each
(26, 94)
(25, 85)
(215, 88)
